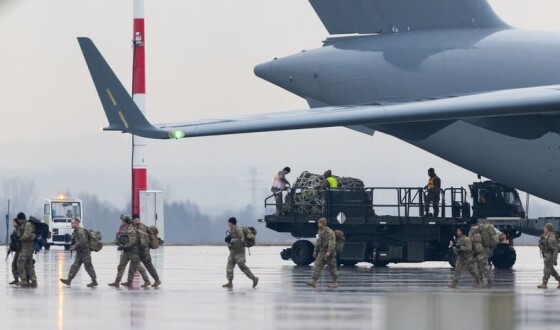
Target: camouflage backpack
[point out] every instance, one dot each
(249, 234)
(340, 240)
(94, 237)
(489, 236)
(155, 241)
(143, 238)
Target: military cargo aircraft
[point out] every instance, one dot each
(448, 76)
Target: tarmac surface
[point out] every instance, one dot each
(405, 296)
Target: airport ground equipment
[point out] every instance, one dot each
(58, 212)
(386, 225)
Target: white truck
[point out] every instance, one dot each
(58, 213)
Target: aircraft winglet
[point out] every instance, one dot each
(121, 111)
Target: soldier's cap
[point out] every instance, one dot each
(232, 220)
(127, 219)
(20, 216)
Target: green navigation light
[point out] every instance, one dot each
(176, 134)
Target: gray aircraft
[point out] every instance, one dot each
(447, 76)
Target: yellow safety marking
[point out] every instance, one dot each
(111, 97)
(123, 120)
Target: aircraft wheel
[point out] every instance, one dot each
(302, 252)
(504, 256)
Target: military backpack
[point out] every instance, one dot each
(94, 238)
(154, 240)
(489, 236)
(249, 234)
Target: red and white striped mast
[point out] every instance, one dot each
(139, 170)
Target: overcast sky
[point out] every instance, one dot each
(200, 59)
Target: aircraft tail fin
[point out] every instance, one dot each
(121, 111)
(375, 16)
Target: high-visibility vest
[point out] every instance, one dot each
(431, 183)
(332, 182)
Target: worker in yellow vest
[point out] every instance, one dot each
(330, 181)
(433, 189)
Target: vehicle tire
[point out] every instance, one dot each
(47, 246)
(302, 252)
(381, 263)
(504, 256)
(66, 247)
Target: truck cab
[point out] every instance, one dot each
(492, 199)
(58, 213)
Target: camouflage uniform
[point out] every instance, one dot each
(465, 259)
(83, 255)
(549, 249)
(237, 254)
(131, 246)
(125, 258)
(15, 246)
(326, 242)
(144, 250)
(25, 267)
(480, 253)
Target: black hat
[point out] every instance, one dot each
(20, 216)
(134, 216)
(232, 220)
(287, 169)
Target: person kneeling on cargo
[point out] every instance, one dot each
(325, 253)
(330, 181)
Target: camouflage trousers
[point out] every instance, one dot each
(463, 263)
(320, 264)
(279, 200)
(25, 267)
(123, 261)
(239, 260)
(82, 258)
(549, 269)
(142, 257)
(481, 261)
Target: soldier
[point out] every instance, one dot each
(80, 244)
(144, 250)
(278, 185)
(324, 253)
(432, 193)
(236, 245)
(25, 267)
(464, 254)
(481, 251)
(15, 246)
(548, 244)
(124, 259)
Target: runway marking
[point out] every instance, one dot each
(123, 120)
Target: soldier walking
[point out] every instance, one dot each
(144, 251)
(125, 257)
(236, 244)
(15, 246)
(548, 244)
(465, 258)
(25, 267)
(324, 253)
(80, 244)
(481, 251)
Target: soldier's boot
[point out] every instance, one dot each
(255, 281)
(66, 281)
(146, 284)
(542, 286)
(127, 284)
(453, 284)
(156, 283)
(477, 284)
(116, 284)
(312, 283)
(24, 284)
(33, 284)
(488, 284)
(333, 285)
(93, 284)
(14, 282)
(229, 284)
